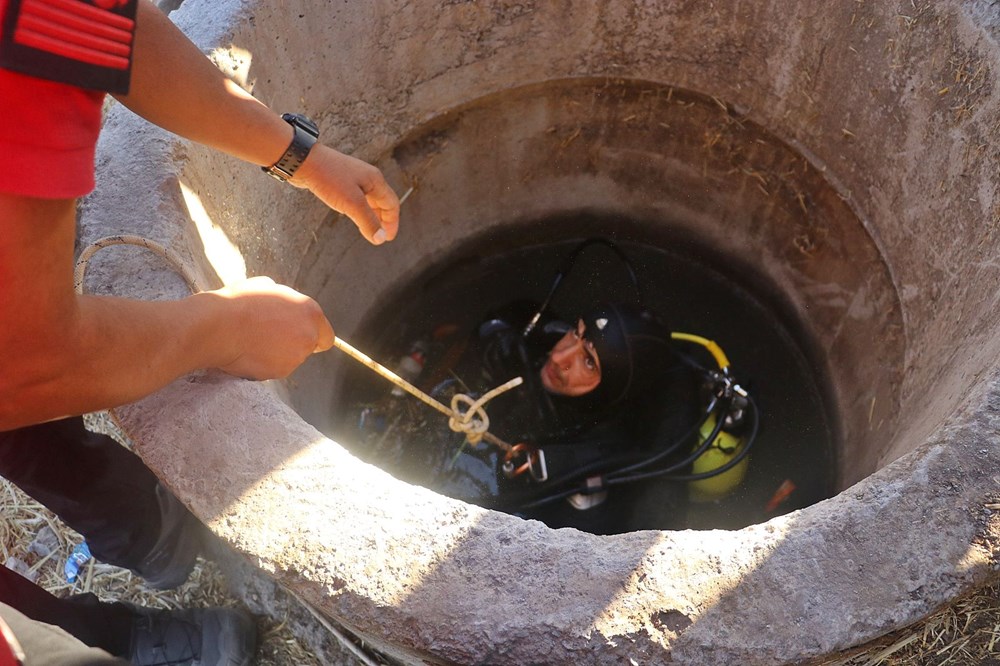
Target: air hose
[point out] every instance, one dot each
(610, 478)
(568, 266)
(615, 480)
(714, 349)
(613, 477)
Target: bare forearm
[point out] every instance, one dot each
(107, 352)
(63, 354)
(111, 351)
(176, 87)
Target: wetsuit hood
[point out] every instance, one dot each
(633, 348)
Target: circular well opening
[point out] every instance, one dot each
(791, 458)
(733, 234)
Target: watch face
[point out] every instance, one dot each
(301, 121)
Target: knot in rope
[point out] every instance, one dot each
(473, 421)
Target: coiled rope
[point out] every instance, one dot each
(131, 239)
(473, 421)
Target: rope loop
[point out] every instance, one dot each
(473, 420)
(131, 239)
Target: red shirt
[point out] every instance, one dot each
(48, 133)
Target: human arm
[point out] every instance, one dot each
(176, 87)
(64, 354)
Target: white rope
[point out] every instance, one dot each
(130, 239)
(473, 422)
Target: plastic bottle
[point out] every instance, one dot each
(410, 367)
(77, 558)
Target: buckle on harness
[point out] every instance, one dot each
(542, 473)
(534, 463)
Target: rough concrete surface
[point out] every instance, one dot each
(877, 121)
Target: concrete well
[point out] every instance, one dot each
(838, 157)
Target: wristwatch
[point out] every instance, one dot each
(306, 134)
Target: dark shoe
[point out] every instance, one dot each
(193, 637)
(172, 558)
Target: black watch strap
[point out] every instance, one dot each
(306, 134)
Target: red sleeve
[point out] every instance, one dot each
(48, 133)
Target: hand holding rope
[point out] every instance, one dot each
(473, 422)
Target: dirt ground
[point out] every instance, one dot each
(26, 528)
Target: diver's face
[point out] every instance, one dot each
(573, 367)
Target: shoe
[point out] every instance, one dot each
(173, 556)
(192, 637)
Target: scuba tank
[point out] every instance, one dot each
(724, 449)
(727, 449)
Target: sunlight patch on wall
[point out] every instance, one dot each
(222, 254)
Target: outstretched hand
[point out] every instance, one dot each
(352, 187)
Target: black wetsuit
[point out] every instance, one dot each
(583, 439)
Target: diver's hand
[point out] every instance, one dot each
(272, 328)
(352, 187)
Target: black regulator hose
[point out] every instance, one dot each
(602, 467)
(702, 475)
(535, 496)
(610, 478)
(568, 266)
(670, 448)
(673, 446)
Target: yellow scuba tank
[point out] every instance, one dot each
(725, 447)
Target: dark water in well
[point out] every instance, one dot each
(795, 443)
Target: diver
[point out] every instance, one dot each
(598, 393)
(613, 424)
